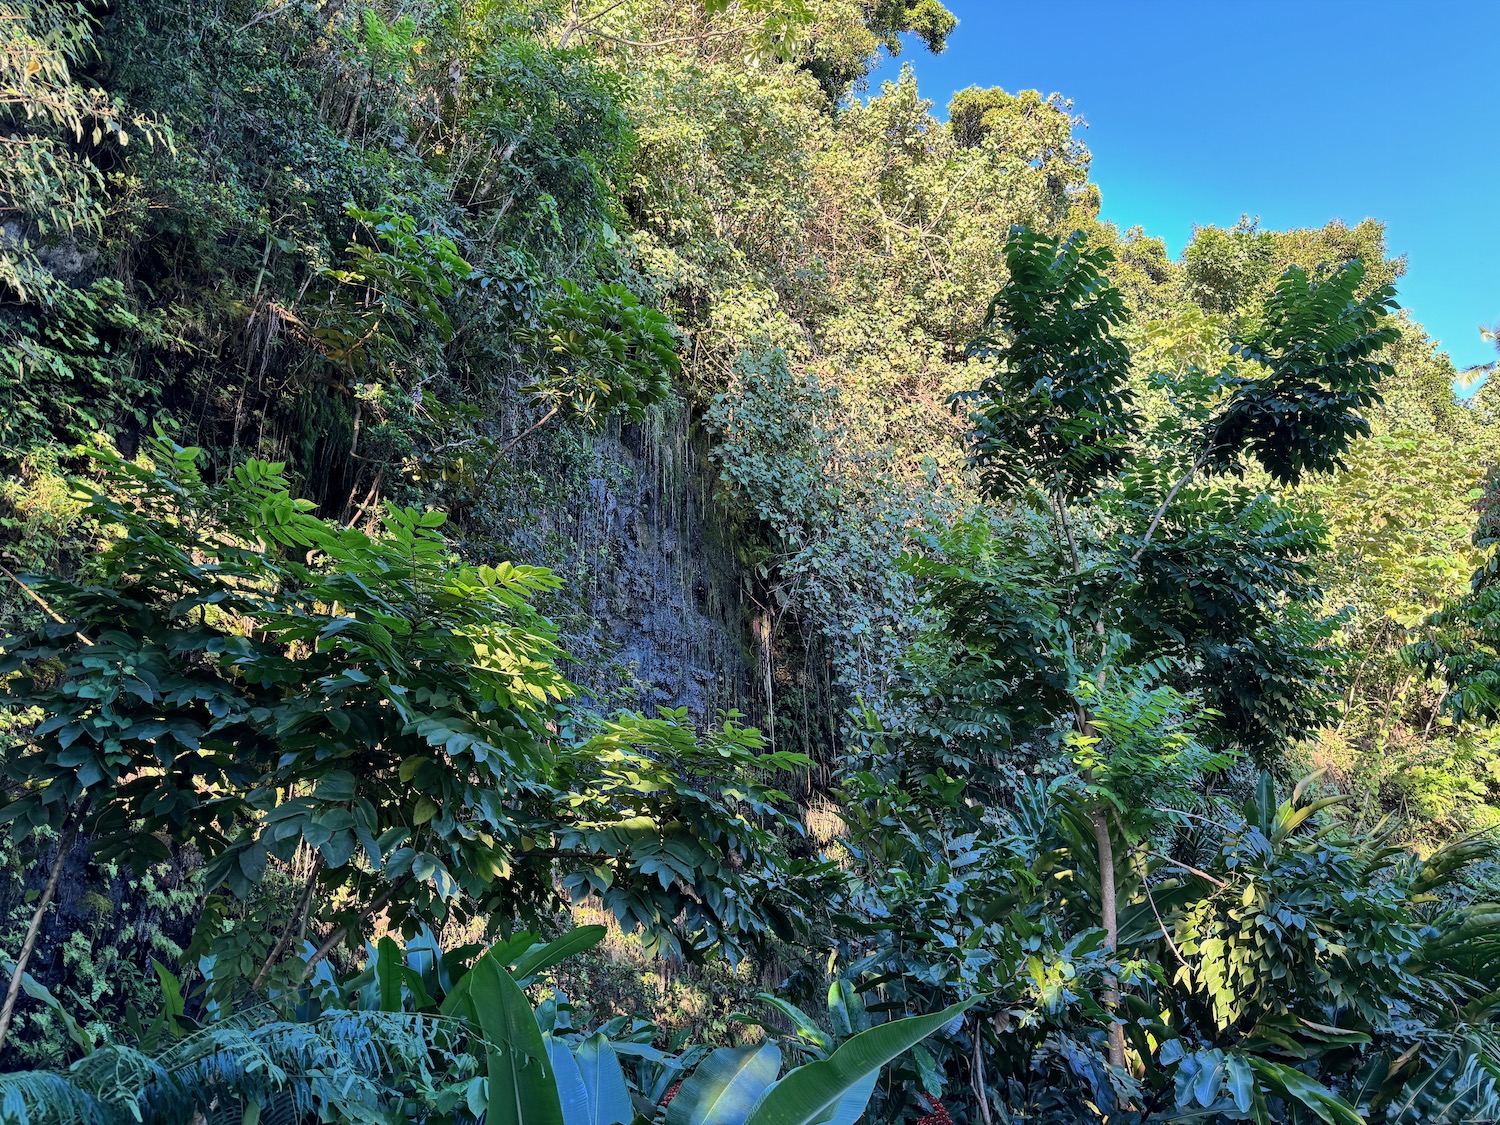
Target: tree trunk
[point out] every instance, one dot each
(1109, 918)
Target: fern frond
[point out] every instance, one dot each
(354, 1066)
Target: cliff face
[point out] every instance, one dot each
(666, 604)
(651, 606)
(672, 605)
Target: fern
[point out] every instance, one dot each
(343, 1066)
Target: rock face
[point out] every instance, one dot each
(651, 607)
(671, 607)
(62, 258)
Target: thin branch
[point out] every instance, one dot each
(64, 847)
(303, 902)
(980, 1087)
(1190, 869)
(368, 500)
(34, 596)
(1165, 504)
(515, 441)
(1172, 945)
(332, 941)
(1191, 816)
(1067, 528)
(265, 15)
(574, 23)
(578, 23)
(953, 191)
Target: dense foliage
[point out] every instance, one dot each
(567, 561)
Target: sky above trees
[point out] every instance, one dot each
(1294, 112)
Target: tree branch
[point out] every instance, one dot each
(1060, 506)
(64, 847)
(303, 902)
(1190, 869)
(578, 23)
(1165, 504)
(264, 15)
(47, 609)
(515, 441)
(332, 940)
(1172, 945)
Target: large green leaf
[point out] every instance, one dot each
(1260, 810)
(846, 1008)
(802, 1023)
(522, 1086)
(571, 1094)
(851, 1107)
(1240, 1081)
(540, 958)
(1290, 818)
(1469, 942)
(526, 954)
(808, 1093)
(726, 1086)
(389, 963)
(1293, 1085)
(604, 1083)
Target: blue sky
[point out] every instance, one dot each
(1298, 112)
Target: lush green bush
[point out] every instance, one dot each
(243, 678)
(432, 1035)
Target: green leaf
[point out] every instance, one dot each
(604, 1083)
(852, 1105)
(522, 1087)
(336, 786)
(38, 991)
(540, 958)
(726, 1086)
(173, 1004)
(389, 963)
(811, 1091)
(1289, 819)
(1206, 1085)
(1261, 809)
(846, 1008)
(1240, 1080)
(801, 1021)
(570, 1089)
(1293, 1085)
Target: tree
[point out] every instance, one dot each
(243, 678)
(928, 20)
(61, 373)
(1145, 606)
(52, 185)
(1025, 127)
